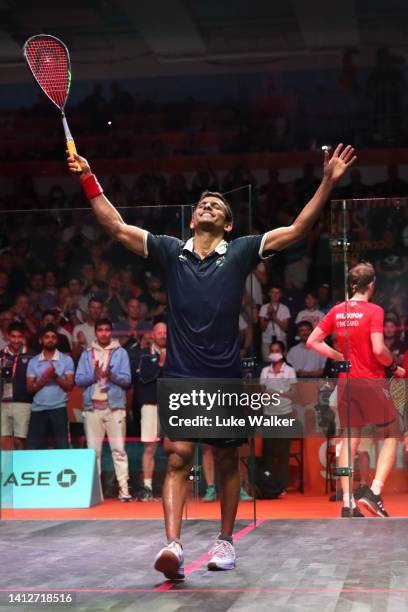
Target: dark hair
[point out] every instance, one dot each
(16, 326)
(360, 276)
(305, 324)
(217, 194)
(46, 313)
(101, 322)
(93, 299)
(281, 344)
(48, 328)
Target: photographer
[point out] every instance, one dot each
(15, 400)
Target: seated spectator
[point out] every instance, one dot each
(392, 339)
(15, 399)
(49, 317)
(133, 326)
(50, 375)
(84, 333)
(311, 313)
(35, 291)
(104, 373)
(22, 312)
(48, 297)
(324, 302)
(114, 297)
(307, 362)
(355, 189)
(278, 377)
(6, 317)
(6, 295)
(274, 320)
(68, 311)
(256, 282)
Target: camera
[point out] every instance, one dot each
(6, 373)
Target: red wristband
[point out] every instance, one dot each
(91, 187)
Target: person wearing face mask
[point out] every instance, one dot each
(278, 377)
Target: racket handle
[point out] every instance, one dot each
(72, 150)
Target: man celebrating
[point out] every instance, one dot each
(359, 329)
(205, 279)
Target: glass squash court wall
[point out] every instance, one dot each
(375, 231)
(64, 241)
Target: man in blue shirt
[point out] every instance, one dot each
(50, 375)
(205, 278)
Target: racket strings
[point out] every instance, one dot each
(49, 64)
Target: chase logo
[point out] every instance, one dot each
(66, 478)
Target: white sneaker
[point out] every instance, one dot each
(222, 556)
(124, 495)
(170, 561)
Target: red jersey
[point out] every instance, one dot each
(363, 318)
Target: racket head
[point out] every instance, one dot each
(49, 63)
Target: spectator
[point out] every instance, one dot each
(204, 180)
(305, 186)
(49, 317)
(104, 373)
(307, 362)
(274, 320)
(48, 297)
(278, 376)
(323, 298)
(355, 189)
(6, 296)
(22, 313)
(50, 375)
(35, 293)
(312, 313)
(114, 297)
(276, 193)
(148, 369)
(256, 282)
(6, 317)
(84, 333)
(392, 339)
(15, 399)
(133, 326)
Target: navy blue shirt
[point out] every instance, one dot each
(204, 302)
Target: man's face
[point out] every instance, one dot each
(104, 334)
(22, 305)
(304, 332)
(50, 279)
(49, 341)
(210, 215)
(390, 329)
(37, 282)
(134, 309)
(160, 334)
(74, 286)
(95, 309)
(16, 340)
(310, 301)
(275, 294)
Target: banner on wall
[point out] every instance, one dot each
(49, 479)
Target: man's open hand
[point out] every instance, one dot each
(335, 166)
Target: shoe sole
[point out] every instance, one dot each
(371, 508)
(169, 565)
(214, 567)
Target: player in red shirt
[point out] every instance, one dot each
(359, 329)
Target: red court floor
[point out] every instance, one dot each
(293, 506)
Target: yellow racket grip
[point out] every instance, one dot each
(72, 151)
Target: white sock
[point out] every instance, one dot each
(147, 483)
(377, 486)
(347, 498)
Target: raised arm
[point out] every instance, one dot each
(334, 168)
(133, 238)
